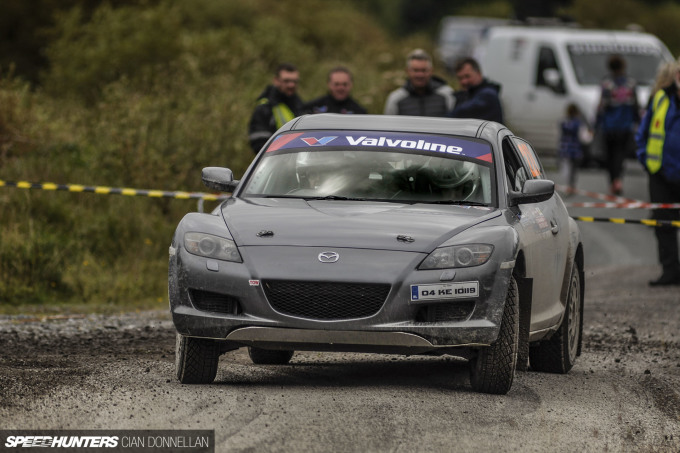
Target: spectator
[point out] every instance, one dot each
(423, 94)
(665, 75)
(571, 150)
(278, 104)
(658, 141)
(479, 97)
(617, 116)
(338, 99)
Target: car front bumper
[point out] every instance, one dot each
(398, 326)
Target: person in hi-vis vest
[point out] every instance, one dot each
(276, 105)
(658, 141)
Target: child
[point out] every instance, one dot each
(571, 150)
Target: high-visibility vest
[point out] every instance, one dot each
(657, 131)
(282, 114)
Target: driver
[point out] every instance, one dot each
(326, 172)
(453, 180)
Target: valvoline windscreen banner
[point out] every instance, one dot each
(390, 141)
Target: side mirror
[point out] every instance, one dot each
(534, 191)
(218, 178)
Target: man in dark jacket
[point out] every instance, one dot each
(278, 104)
(423, 94)
(617, 118)
(338, 99)
(479, 97)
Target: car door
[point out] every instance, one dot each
(543, 230)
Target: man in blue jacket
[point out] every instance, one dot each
(479, 97)
(658, 141)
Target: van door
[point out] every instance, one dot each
(545, 100)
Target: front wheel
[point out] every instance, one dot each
(196, 360)
(558, 354)
(493, 370)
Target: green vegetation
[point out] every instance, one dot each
(144, 93)
(659, 18)
(145, 96)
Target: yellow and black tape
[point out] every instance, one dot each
(648, 222)
(101, 190)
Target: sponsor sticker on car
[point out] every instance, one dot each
(440, 291)
(425, 143)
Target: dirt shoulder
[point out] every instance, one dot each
(116, 371)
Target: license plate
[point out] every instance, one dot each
(445, 291)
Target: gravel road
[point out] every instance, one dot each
(97, 372)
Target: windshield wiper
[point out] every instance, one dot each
(382, 200)
(333, 197)
(258, 195)
(308, 198)
(458, 202)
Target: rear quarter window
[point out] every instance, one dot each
(529, 159)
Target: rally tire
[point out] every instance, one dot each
(269, 356)
(196, 360)
(558, 354)
(493, 370)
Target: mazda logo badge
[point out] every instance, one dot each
(328, 257)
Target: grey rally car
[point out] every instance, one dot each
(399, 235)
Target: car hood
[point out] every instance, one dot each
(337, 223)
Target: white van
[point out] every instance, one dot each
(541, 70)
(461, 36)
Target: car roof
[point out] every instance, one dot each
(398, 123)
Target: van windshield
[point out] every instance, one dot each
(590, 61)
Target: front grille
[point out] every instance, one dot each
(320, 300)
(217, 303)
(459, 311)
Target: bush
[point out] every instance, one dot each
(128, 42)
(144, 97)
(15, 118)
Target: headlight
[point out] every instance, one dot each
(457, 256)
(210, 246)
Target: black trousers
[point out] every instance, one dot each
(664, 191)
(616, 145)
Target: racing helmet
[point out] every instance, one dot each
(456, 174)
(315, 169)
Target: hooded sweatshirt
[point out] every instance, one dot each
(480, 102)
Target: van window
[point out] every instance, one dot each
(590, 61)
(547, 60)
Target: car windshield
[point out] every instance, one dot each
(590, 61)
(346, 165)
